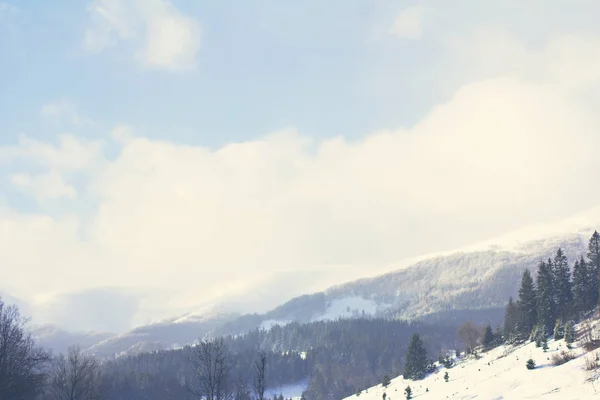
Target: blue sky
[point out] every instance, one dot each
(147, 145)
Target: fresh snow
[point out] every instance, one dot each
(501, 374)
(348, 307)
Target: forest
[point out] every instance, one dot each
(335, 358)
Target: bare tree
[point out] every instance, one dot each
(469, 333)
(22, 364)
(260, 367)
(211, 370)
(75, 376)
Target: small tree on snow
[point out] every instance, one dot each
(545, 343)
(530, 364)
(408, 393)
(569, 333)
(446, 377)
(488, 338)
(385, 382)
(559, 330)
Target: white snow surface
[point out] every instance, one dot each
(348, 307)
(501, 374)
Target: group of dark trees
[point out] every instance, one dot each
(557, 295)
(333, 358)
(30, 372)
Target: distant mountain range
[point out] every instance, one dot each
(468, 284)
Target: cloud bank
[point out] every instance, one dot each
(178, 226)
(162, 36)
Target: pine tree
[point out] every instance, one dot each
(545, 343)
(416, 359)
(488, 338)
(527, 304)
(580, 287)
(569, 333)
(385, 382)
(559, 330)
(593, 261)
(511, 317)
(408, 393)
(563, 295)
(530, 364)
(446, 376)
(545, 296)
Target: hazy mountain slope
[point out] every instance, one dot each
(471, 283)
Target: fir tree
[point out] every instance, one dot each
(545, 296)
(545, 343)
(580, 287)
(527, 304)
(563, 295)
(530, 364)
(488, 338)
(416, 359)
(593, 261)
(511, 317)
(559, 330)
(408, 393)
(385, 382)
(446, 376)
(569, 333)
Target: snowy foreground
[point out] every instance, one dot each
(501, 374)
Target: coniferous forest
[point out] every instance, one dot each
(559, 295)
(334, 358)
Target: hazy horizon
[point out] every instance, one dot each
(160, 155)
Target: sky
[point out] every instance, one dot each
(159, 157)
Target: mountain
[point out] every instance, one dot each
(473, 283)
(501, 373)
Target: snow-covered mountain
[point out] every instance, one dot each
(470, 283)
(502, 374)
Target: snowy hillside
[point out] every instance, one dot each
(472, 283)
(502, 374)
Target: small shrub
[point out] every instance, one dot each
(562, 357)
(591, 363)
(530, 364)
(408, 393)
(385, 382)
(446, 377)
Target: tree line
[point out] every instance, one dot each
(559, 295)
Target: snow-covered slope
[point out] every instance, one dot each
(470, 283)
(501, 374)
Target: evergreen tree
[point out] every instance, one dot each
(416, 359)
(569, 333)
(408, 393)
(593, 261)
(559, 330)
(385, 382)
(530, 364)
(563, 295)
(527, 304)
(488, 338)
(446, 376)
(511, 317)
(545, 296)
(580, 287)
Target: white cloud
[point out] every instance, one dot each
(192, 225)
(71, 154)
(408, 23)
(45, 186)
(164, 37)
